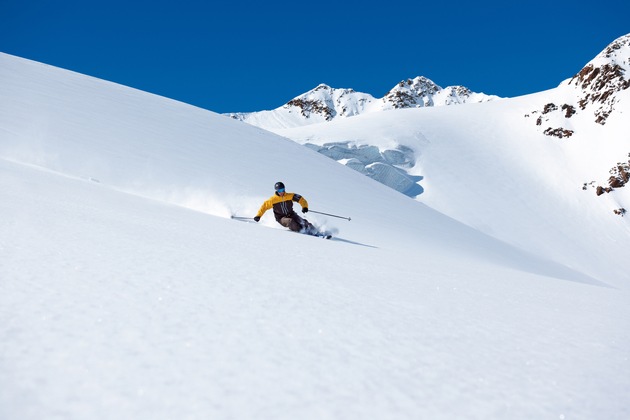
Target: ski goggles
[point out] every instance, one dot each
(281, 190)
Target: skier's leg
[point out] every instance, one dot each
(307, 227)
(290, 223)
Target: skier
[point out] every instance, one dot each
(282, 204)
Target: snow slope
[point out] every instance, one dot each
(492, 166)
(127, 292)
(525, 188)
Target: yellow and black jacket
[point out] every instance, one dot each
(282, 206)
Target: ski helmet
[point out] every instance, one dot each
(278, 186)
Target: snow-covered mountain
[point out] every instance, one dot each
(126, 291)
(596, 93)
(421, 92)
(592, 95)
(597, 88)
(599, 83)
(553, 140)
(324, 104)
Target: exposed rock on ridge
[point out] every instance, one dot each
(602, 78)
(597, 88)
(325, 103)
(412, 93)
(329, 103)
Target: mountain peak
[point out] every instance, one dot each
(325, 103)
(322, 86)
(603, 77)
(617, 51)
(411, 93)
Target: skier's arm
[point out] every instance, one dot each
(265, 206)
(301, 200)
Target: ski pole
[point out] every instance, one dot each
(241, 218)
(328, 214)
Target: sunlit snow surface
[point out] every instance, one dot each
(127, 292)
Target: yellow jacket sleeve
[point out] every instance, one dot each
(302, 201)
(265, 206)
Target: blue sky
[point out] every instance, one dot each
(254, 55)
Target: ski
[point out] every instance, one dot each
(323, 235)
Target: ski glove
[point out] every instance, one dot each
(256, 219)
(304, 209)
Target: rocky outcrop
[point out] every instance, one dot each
(422, 92)
(620, 175)
(411, 93)
(603, 78)
(558, 132)
(597, 87)
(619, 178)
(600, 84)
(553, 113)
(308, 107)
(329, 103)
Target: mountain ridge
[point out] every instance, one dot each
(325, 104)
(544, 139)
(589, 97)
